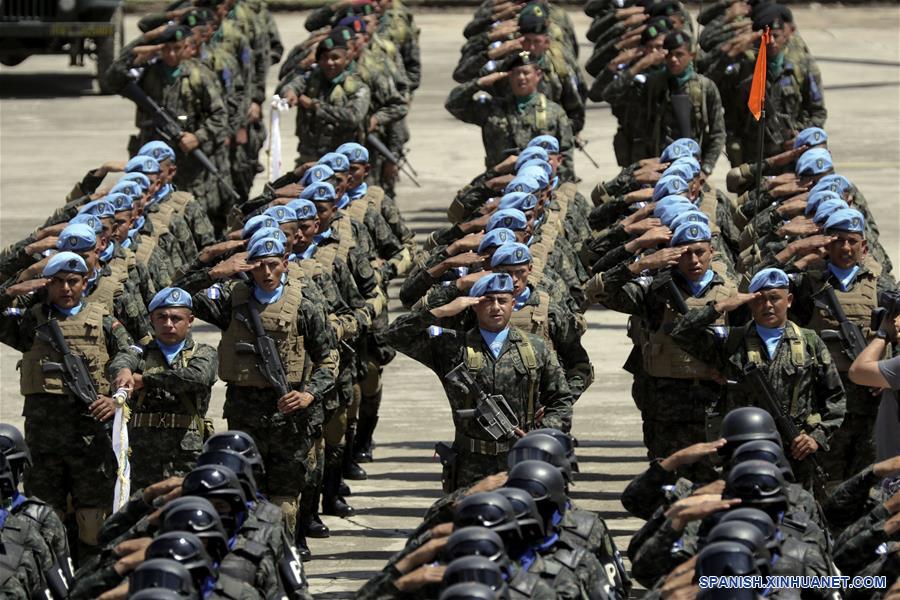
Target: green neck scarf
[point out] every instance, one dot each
(686, 76)
(524, 102)
(776, 64)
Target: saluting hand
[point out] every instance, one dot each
(731, 303)
(456, 306)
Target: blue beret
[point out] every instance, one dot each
(281, 213)
(156, 149)
(142, 164)
(496, 237)
(510, 218)
(520, 200)
(119, 201)
(769, 278)
(668, 186)
(537, 170)
(171, 297)
(265, 247)
(670, 200)
(682, 147)
(355, 153)
(268, 232)
(826, 208)
(846, 219)
(337, 161)
(688, 233)
(315, 174)
(138, 178)
(77, 238)
(132, 189)
(530, 153)
(495, 283)
(318, 192)
(835, 183)
(89, 220)
(304, 209)
(522, 184)
(256, 223)
(818, 197)
(98, 208)
(688, 216)
(685, 161)
(512, 253)
(811, 136)
(547, 142)
(66, 262)
(814, 161)
(669, 212)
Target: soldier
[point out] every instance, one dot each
(70, 450)
(333, 102)
(182, 88)
(512, 121)
(796, 361)
(667, 372)
(858, 281)
(529, 378)
(172, 386)
(284, 422)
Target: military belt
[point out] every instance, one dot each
(468, 444)
(162, 420)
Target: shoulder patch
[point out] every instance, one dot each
(435, 331)
(214, 292)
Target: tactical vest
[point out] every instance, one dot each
(85, 337)
(565, 557)
(709, 203)
(565, 197)
(534, 318)
(522, 584)
(279, 320)
(243, 562)
(755, 355)
(155, 362)
(357, 210)
(110, 286)
(475, 362)
(857, 303)
(663, 357)
(12, 556)
(326, 254)
(699, 115)
(161, 218)
(179, 200)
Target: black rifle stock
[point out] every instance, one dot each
(268, 361)
(492, 413)
(379, 147)
(682, 107)
(849, 333)
(171, 131)
(580, 146)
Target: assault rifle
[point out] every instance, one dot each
(401, 163)
(268, 361)
(849, 333)
(492, 413)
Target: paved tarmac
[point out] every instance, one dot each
(53, 128)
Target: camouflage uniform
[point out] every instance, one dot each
(859, 544)
(508, 123)
(168, 421)
(802, 372)
(669, 372)
(529, 378)
(25, 561)
(338, 115)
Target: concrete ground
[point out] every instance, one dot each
(53, 128)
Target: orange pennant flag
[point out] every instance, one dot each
(757, 98)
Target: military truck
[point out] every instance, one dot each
(79, 28)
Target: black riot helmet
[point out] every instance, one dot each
(544, 448)
(241, 442)
(747, 534)
(13, 446)
(198, 516)
(747, 424)
(8, 487)
(155, 594)
(477, 541)
(759, 484)
(720, 559)
(763, 450)
(531, 523)
(235, 461)
(472, 591)
(216, 482)
(759, 519)
(545, 484)
(474, 569)
(162, 573)
(487, 509)
(568, 443)
(185, 548)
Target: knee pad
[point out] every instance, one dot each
(288, 506)
(89, 521)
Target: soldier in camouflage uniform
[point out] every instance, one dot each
(72, 457)
(512, 121)
(529, 378)
(183, 88)
(173, 381)
(333, 102)
(796, 361)
(284, 423)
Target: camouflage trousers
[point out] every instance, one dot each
(285, 442)
(158, 453)
(70, 456)
(852, 447)
(470, 468)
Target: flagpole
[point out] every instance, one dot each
(757, 103)
(759, 156)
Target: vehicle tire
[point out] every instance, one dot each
(108, 48)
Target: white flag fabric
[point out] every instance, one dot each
(278, 105)
(120, 449)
